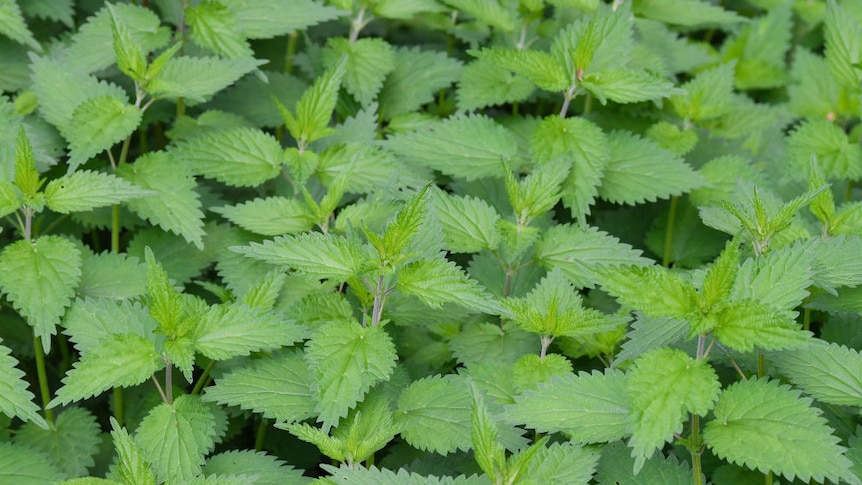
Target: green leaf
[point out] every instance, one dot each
(649, 333)
(120, 360)
(251, 97)
(20, 464)
(486, 11)
(836, 261)
(438, 281)
(314, 108)
(782, 432)
(688, 13)
(828, 372)
(598, 415)
(402, 230)
(346, 360)
(71, 441)
(468, 147)
(26, 176)
(843, 47)
(484, 83)
(596, 43)
(39, 278)
(539, 67)
(562, 463)
(214, 27)
(586, 145)
(748, 325)
(176, 208)
(761, 48)
(708, 95)
(86, 190)
(665, 386)
(369, 61)
(434, 414)
(12, 25)
(487, 450)
(227, 331)
(198, 78)
(417, 78)
(555, 309)
(15, 399)
(828, 144)
(639, 170)
(358, 475)
(278, 387)
(96, 125)
(469, 224)
(240, 157)
(9, 201)
(580, 253)
(268, 469)
(627, 86)
(811, 94)
(257, 19)
(314, 254)
(111, 275)
(130, 58)
(272, 216)
(133, 468)
(175, 437)
(538, 192)
(165, 303)
(90, 320)
(365, 168)
(616, 467)
(779, 280)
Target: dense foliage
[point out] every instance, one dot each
(430, 241)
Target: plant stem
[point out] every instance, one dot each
(292, 43)
(379, 298)
(43, 378)
(199, 385)
(567, 99)
(668, 233)
(169, 384)
(119, 414)
(696, 450)
(159, 387)
(260, 435)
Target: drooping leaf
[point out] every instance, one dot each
(176, 208)
(278, 387)
(175, 437)
(241, 157)
(417, 77)
(39, 278)
(580, 253)
(96, 125)
(20, 464)
(665, 386)
(15, 399)
(86, 190)
(782, 432)
(120, 360)
(70, 442)
(434, 414)
(346, 360)
(597, 415)
(639, 170)
(468, 147)
(437, 281)
(198, 78)
(314, 254)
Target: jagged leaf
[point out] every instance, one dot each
(39, 278)
(562, 463)
(133, 468)
(267, 468)
(120, 360)
(689, 13)
(434, 414)
(175, 437)
(616, 467)
(226, 331)
(15, 399)
(176, 208)
(22, 465)
(90, 320)
(278, 387)
(369, 61)
(599, 414)
(241, 157)
(469, 224)
(272, 216)
(837, 157)
(358, 475)
(782, 432)
(71, 441)
(469, 147)
(843, 47)
(314, 108)
(417, 77)
(748, 325)
(539, 67)
(829, 372)
(315, 254)
(86, 190)
(837, 262)
(198, 78)
(665, 386)
(346, 360)
(640, 170)
(214, 27)
(264, 19)
(779, 280)
(580, 253)
(97, 124)
(653, 290)
(708, 96)
(12, 25)
(111, 275)
(484, 83)
(623, 85)
(437, 281)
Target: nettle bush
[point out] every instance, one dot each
(430, 241)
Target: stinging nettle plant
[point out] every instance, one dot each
(430, 241)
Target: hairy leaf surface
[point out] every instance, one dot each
(15, 399)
